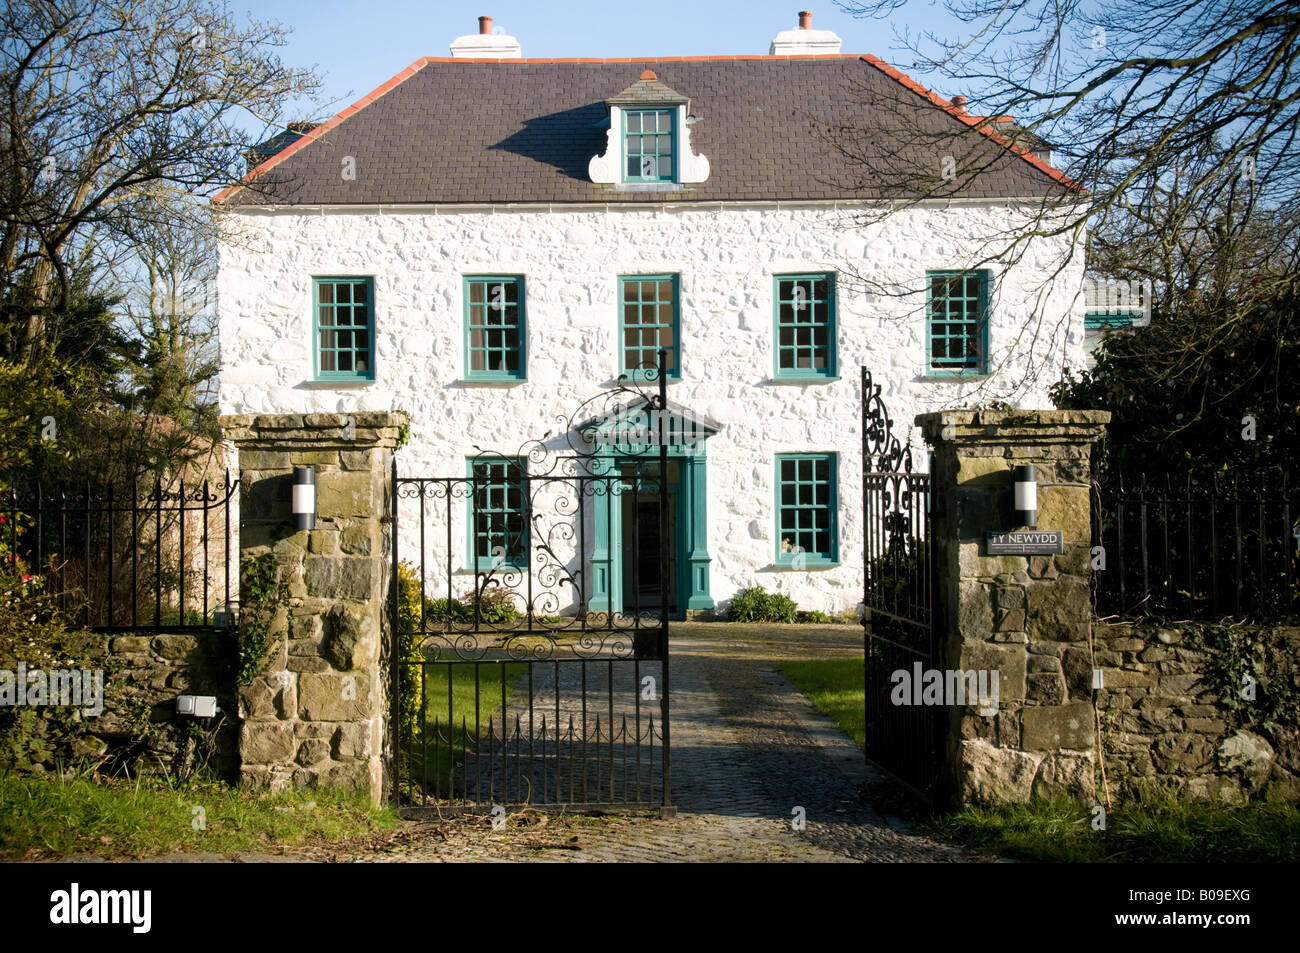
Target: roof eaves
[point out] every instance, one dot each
(271, 162)
(978, 123)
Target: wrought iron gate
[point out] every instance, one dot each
(525, 672)
(900, 631)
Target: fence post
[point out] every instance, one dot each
(314, 715)
(1027, 617)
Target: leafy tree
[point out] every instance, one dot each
(1175, 120)
(1170, 415)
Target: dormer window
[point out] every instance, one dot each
(648, 144)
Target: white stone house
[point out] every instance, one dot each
(486, 241)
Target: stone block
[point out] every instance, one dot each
(343, 577)
(1009, 620)
(312, 751)
(326, 696)
(1010, 597)
(175, 647)
(1248, 754)
(1044, 688)
(1008, 660)
(361, 538)
(1060, 611)
(1077, 668)
(1047, 728)
(351, 742)
(975, 611)
(361, 459)
(347, 493)
(1042, 663)
(988, 774)
(266, 742)
(323, 541)
(350, 633)
(1179, 684)
(1066, 773)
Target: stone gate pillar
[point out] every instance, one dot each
(1027, 616)
(315, 714)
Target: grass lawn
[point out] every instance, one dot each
(835, 687)
(1154, 831)
(44, 817)
(469, 722)
(1159, 831)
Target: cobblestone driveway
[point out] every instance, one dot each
(748, 750)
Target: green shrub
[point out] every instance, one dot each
(446, 610)
(496, 605)
(781, 608)
(748, 605)
(756, 604)
(408, 641)
(814, 616)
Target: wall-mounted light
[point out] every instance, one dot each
(1026, 497)
(304, 498)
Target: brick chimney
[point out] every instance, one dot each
(805, 40)
(485, 44)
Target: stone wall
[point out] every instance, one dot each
(1027, 617)
(315, 714)
(571, 259)
(154, 669)
(1166, 726)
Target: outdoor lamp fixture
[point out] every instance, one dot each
(1026, 496)
(304, 498)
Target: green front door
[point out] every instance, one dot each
(625, 565)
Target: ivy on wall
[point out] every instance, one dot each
(262, 594)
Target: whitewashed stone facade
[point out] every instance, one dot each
(571, 258)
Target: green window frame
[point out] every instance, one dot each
(343, 328)
(498, 519)
(496, 332)
(807, 509)
(957, 322)
(649, 145)
(649, 317)
(1096, 320)
(804, 326)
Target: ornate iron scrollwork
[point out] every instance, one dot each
(881, 450)
(554, 477)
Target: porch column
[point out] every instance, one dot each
(606, 595)
(696, 487)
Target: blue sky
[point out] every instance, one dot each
(357, 46)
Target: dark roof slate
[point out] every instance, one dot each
(523, 131)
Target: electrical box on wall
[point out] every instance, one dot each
(199, 706)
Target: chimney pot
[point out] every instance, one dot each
(960, 103)
(485, 25)
(805, 19)
(648, 74)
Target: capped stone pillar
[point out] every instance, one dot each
(314, 714)
(1027, 616)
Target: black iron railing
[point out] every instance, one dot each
(128, 559)
(898, 597)
(1199, 547)
(524, 675)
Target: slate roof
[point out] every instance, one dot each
(499, 131)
